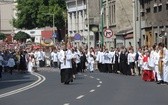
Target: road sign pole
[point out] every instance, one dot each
(102, 22)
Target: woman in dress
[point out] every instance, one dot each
(30, 63)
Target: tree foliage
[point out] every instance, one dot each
(21, 36)
(2, 36)
(33, 13)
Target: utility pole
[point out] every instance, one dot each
(138, 22)
(107, 14)
(88, 24)
(107, 21)
(134, 25)
(102, 22)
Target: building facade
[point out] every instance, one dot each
(154, 13)
(118, 17)
(7, 12)
(80, 23)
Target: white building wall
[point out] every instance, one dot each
(6, 16)
(77, 23)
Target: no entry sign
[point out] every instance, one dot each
(108, 33)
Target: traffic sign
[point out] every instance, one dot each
(77, 36)
(108, 33)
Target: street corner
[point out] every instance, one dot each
(16, 80)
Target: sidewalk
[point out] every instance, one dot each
(15, 75)
(16, 80)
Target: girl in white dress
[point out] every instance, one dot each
(30, 63)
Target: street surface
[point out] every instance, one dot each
(87, 89)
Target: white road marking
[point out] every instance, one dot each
(98, 79)
(91, 77)
(98, 85)
(15, 80)
(67, 104)
(100, 82)
(41, 79)
(79, 97)
(92, 90)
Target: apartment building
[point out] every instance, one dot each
(80, 23)
(118, 17)
(154, 13)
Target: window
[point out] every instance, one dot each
(167, 6)
(142, 14)
(154, 9)
(160, 8)
(148, 10)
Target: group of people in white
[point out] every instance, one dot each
(151, 63)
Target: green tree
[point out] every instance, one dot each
(21, 36)
(32, 13)
(2, 36)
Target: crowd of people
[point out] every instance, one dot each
(151, 63)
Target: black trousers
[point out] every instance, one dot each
(124, 68)
(111, 68)
(0, 71)
(116, 67)
(55, 64)
(100, 67)
(52, 63)
(11, 70)
(41, 63)
(66, 75)
(107, 68)
(79, 69)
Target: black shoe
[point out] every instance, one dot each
(160, 82)
(66, 83)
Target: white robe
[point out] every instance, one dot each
(165, 67)
(156, 68)
(65, 64)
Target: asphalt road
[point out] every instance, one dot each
(87, 89)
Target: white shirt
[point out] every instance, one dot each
(131, 57)
(112, 55)
(41, 55)
(145, 65)
(11, 62)
(55, 56)
(90, 60)
(52, 55)
(140, 59)
(107, 58)
(65, 64)
(100, 57)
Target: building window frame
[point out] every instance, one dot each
(160, 8)
(154, 9)
(148, 10)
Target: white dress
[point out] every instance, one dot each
(30, 65)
